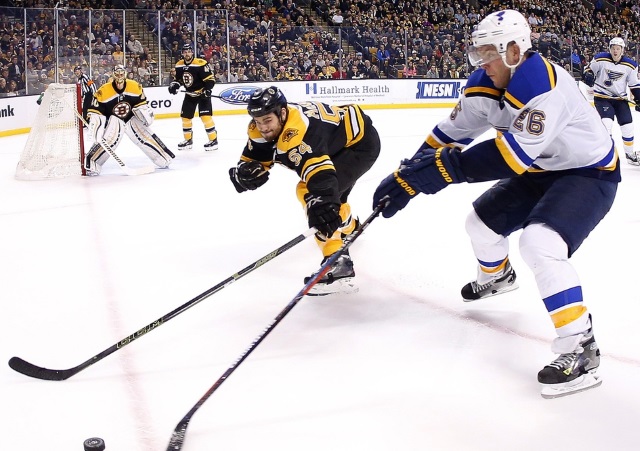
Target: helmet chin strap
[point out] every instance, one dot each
(511, 66)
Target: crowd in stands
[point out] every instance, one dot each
(263, 40)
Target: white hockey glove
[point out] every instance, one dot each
(144, 113)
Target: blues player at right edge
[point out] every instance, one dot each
(558, 173)
(610, 73)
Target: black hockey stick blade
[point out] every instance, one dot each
(179, 433)
(38, 372)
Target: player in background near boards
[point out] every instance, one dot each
(610, 73)
(196, 77)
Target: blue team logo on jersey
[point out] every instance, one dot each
(237, 95)
(438, 90)
(612, 77)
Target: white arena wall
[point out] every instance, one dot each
(17, 113)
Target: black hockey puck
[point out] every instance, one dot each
(94, 444)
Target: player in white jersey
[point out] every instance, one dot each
(558, 173)
(610, 73)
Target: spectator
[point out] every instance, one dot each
(134, 46)
(118, 55)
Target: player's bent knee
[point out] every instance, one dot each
(540, 244)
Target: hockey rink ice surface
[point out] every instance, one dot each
(402, 365)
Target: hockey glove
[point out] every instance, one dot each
(589, 78)
(431, 170)
(428, 171)
(207, 92)
(174, 87)
(323, 214)
(248, 175)
(399, 192)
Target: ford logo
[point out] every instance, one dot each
(237, 95)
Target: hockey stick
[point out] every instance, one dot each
(126, 169)
(616, 95)
(178, 435)
(31, 370)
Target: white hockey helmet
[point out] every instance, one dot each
(616, 41)
(499, 29)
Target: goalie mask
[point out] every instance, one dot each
(494, 34)
(119, 74)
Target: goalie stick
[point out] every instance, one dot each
(179, 433)
(126, 169)
(31, 370)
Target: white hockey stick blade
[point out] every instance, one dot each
(584, 382)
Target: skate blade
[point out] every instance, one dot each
(497, 292)
(584, 382)
(341, 286)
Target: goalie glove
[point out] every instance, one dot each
(144, 113)
(174, 86)
(248, 175)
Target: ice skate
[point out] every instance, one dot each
(503, 282)
(575, 368)
(211, 145)
(339, 279)
(187, 144)
(632, 158)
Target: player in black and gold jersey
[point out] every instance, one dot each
(120, 105)
(330, 147)
(196, 76)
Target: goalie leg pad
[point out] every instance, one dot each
(95, 159)
(112, 134)
(149, 143)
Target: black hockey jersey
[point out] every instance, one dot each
(108, 100)
(196, 76)
(313, 133)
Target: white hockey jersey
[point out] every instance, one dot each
(544, 122)
(613, 78)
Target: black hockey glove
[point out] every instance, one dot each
(589, 78)
(399, 192)
(174, 87)
(323, 214)
(207, 92)
(248, 175)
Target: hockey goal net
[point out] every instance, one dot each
(55, 146)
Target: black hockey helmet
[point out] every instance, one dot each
(265, 101)
(77, 68)
(187, 48)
